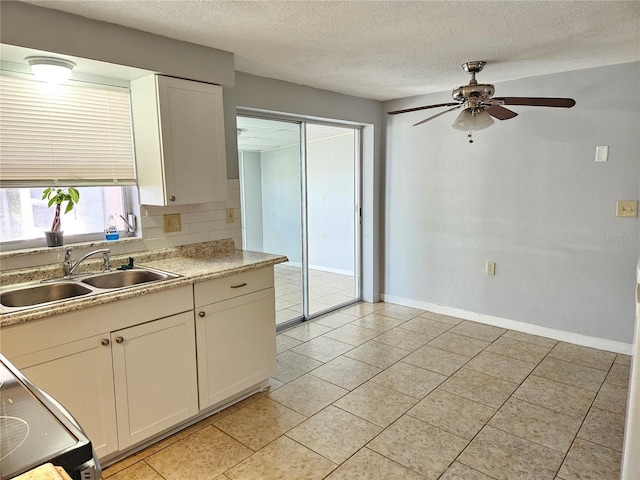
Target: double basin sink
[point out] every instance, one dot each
(48, 291)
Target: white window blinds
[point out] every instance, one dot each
(64, 135)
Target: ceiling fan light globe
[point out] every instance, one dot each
(470, 119)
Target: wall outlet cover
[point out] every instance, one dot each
(172, 222)
(627, 208)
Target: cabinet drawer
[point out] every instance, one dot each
(219, 289)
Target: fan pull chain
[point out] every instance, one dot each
(470, 137)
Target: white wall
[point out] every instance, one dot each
(330, 211)
(527, 195)
(251, 200)
(281, 216)
(271, 202)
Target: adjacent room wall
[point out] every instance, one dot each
(528, 195)
(281, 216)
(330, 212)
(251, 195)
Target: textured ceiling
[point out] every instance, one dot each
(388, 49)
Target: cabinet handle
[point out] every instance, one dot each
(239, 286)
(201, 314)
(105, 342)
(172, 198)
(119, 339)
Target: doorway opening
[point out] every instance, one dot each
(300, 194)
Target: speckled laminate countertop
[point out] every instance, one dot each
(194, 263)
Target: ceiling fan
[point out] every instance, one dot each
(480, 105)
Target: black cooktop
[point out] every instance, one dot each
(33, 429)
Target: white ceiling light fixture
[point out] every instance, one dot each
(473, 119)
(50, 69)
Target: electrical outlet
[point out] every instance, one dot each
(231, 216)
(172, 222)
(627, 208)
(491, 268)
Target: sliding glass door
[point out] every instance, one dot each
(300, 197)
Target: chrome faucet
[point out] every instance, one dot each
(130, 224)
(68, 267)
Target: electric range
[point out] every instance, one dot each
(36, 429)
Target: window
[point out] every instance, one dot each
(76, 135)
(25, 216)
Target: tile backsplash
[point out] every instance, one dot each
(200, 223)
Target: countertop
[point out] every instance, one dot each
(44, 472)
(194, 263)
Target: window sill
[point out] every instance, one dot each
(44, 250)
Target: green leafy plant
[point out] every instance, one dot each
(57, 196)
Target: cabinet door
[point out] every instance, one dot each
(154, 368)
(79, 376)
(236, 342)
(192, 130)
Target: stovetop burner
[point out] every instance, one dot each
(14, 431)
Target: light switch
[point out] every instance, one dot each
(627, 208)
(230, 215)
(602, 153)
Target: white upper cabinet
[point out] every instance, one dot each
(179, 141)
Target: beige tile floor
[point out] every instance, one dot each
(381, 391)
(326, 289)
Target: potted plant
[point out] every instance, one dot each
(57, 196)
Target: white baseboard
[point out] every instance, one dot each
(331, 270)
(321, 268)
(562, 335)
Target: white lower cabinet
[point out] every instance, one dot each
(79, 375)
(127, 370)
(236, 345)
(125, 386)
(154, 372)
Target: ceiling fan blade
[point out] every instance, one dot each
(537, 101)
(500, 113)
(437, 115)
(415, 109)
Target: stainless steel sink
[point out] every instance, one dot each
(43, 293)
(38, 294)
(126, 278)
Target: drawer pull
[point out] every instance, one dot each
(201, 314)
(119, 339)
(105, 342)
(239, 285)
